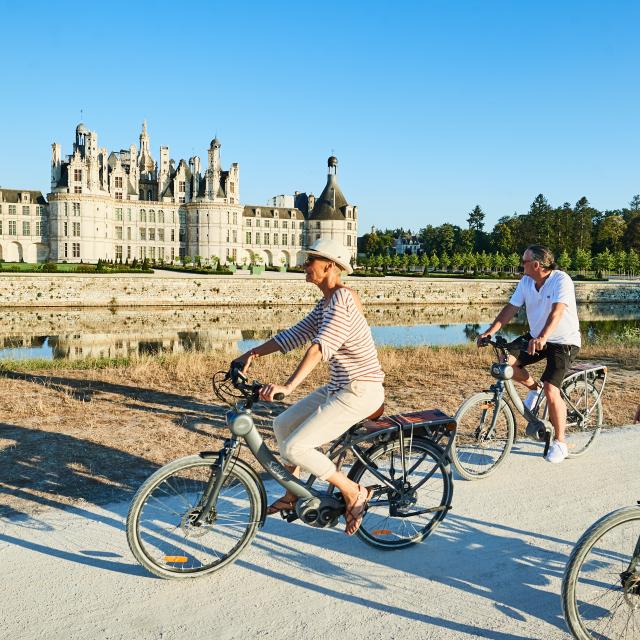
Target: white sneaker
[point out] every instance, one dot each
(557, 452)
(531, 399)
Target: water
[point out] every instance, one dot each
(82, 333)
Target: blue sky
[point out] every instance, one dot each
(431, 107)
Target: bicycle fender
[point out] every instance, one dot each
(254, 476)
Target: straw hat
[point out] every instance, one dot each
(333, 251)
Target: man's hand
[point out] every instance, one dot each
(269, 390)
(480, 342)
(536, 344)
(244, 361)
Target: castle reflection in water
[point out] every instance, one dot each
(119, 333)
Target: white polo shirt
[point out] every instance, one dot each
(558, 287)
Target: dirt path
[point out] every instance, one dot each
(492, 569)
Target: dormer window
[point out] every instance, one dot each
(118, 182)
(77, 175)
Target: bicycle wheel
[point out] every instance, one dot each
(601, 584)
(581, 433)
(160, 529)
(477, 450)
(396, 519)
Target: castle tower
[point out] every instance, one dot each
(213, 170)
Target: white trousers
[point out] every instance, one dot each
(321, 417)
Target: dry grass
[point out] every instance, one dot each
(73, 433)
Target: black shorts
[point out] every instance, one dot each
(559, 359)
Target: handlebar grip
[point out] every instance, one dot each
(278, 396)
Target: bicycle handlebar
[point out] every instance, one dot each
(501, 343)
(250, 390)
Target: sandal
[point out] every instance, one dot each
(282, 504)
(355, 513)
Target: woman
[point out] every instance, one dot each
(339, 334)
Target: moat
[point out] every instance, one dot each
(125, 332)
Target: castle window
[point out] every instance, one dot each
(227, 235)
(38, 228)
(75, 248)
(257, 238)
(12, 209)
(173, 235)
(181, 186)
(118, 252)
(152, 215)
(348, 226)
(76, 208)
(119, 214)
(128, 215)
(118, 182)
(65, 229)
(66, 250)
(152, 253)
(77, 189)
(284, 239)
(152, 234)
(235, 235)
(118, 195)
(128, 253)
(275, 213)
(0, 227)
(77, 175)
(181, 200)
(143, 215)
(266, 238)
(248, 222)
(118, 233)
(235, 217)
(348, 241)
(161, 253)
(257, 222)
(149, 194)
(161, 217)
(248, 237)
(232, 187)
(317, 224)
(275, 238)
(160, 235)
(285, 224)
(128, 233)
(275, 224)
(143, 233)
(25, 211)
(26, 228)
(76, 228)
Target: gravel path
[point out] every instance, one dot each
(491, 570)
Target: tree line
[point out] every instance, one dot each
(582, 238)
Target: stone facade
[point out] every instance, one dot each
(125, 205)
(59, 290)
(23, 226)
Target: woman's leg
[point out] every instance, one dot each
(344, 409)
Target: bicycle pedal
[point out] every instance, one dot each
(290, 516)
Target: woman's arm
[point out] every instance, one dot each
(270, 346)
(306, 366)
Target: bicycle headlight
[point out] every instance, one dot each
(502, 371)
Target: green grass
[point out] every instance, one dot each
(39, 364)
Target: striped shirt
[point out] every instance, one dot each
(344, 337)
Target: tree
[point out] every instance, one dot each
(445, 261)
(434, 260)
(475, 219)
(620, 261)
(564, 260)
(604, 262)
(466, 240)
(498, 261)
(634, 205)
(583, 260)
(457, 260)
(631, 237)
(609, 233)
(413, 261)
(513, 262)
(633, 262)
(583, 224)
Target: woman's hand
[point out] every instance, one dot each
(243, 361)
(269, 390)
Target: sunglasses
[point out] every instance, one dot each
(310, 260)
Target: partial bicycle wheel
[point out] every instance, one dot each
(407, 515)
(581, 433)
(161, 528)
(478, 449)
(601, 584)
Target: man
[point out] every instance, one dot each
(549, 297)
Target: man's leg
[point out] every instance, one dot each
(520, 374)
(557, 410)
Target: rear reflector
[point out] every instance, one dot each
(381, 532)
(176, 559)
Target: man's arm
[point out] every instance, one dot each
(504, 317)
(537, 344)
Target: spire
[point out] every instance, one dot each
(145, 161)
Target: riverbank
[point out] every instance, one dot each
(167, 289)
(91, 430)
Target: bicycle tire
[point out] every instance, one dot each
(584, 619)
(475, 458)
(160, 533)
(433, 492)
(580, 437)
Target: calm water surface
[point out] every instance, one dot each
(82, 333)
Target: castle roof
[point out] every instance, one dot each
(284, 213)
(331, 203)
(12, 196)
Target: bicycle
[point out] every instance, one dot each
(196, 514)
(601, 584)
(486, 421)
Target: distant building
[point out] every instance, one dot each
(406, 244)
(125, 205)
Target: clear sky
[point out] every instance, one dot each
(430, 107)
